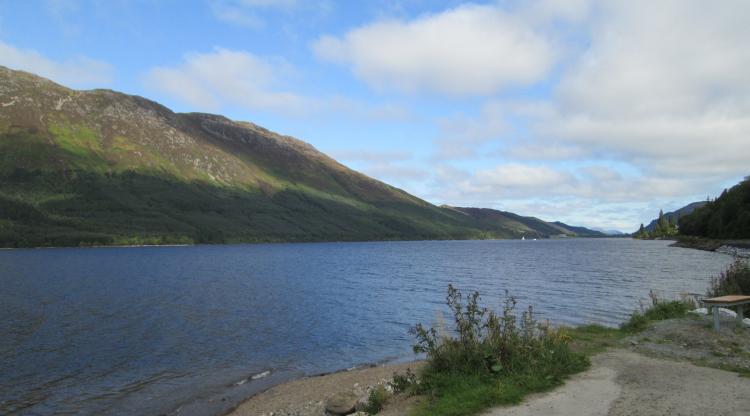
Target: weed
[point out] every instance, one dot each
(375, 401)
(490, 358)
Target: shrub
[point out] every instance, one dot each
(375, 401)
(405, 383)
(658, 311)
(487, 352)
(735, 280)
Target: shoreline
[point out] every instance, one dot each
(301, 242)
(666, 347)
(308, 394)
(734, 247)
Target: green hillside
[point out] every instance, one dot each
(101, 167)
(726, 217)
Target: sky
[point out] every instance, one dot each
(595, 113)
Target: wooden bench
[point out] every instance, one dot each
(725, 301)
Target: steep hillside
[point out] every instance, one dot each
(728, 216)
(101, 167)
(675, 215)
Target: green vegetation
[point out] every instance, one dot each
(735, 280)
(659, 311)
(728, 216)
(492, 359)
(594, 338)
(665, 228)
(376, 399)
(108, 168)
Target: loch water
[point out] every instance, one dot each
(193, 330)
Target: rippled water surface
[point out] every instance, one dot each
(182, 329)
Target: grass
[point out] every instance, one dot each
(497, 359)
(594, 338)
(657, 312)
(489, 358)
(375, 401)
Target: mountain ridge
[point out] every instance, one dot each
(676, 214)
(102, 167)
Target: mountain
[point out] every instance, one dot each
(613, 233)
(102, 167)
(675, 215)
(529, 227)
(578, 231)
(726, 217)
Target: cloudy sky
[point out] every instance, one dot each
(593, 113)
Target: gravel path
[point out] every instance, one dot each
(624, 383)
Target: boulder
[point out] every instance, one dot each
(727, 312)
(341, 403)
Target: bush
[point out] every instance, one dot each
(658, 311)
(490, 353)
(735, 280)
(375, 401)
(405, 383)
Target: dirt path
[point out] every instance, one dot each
(624, 383)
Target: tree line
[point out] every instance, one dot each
(728, 216)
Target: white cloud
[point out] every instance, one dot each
(593, 185)
(209, 80)
(665, 86)
(662, 92)
(393, 166)
(371, 156)
(469, 50)
(253, 13)
(236, 15)
(515, 175)
(80, 71)
(565, 10)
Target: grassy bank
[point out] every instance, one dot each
(489, 359)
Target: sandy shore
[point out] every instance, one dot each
(306, 397)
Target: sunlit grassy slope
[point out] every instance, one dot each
(101, 167)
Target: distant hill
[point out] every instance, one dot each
(613, 233)
(579, 231)
(726, 217)
(675, 215)
(529, 227)
(102, 167)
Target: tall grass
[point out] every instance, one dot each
(735, 280)
(658, 311)
(490, 358)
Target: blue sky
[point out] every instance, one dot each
(593, 113)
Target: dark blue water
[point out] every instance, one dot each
(179, 329)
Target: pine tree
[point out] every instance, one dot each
(661, 225)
